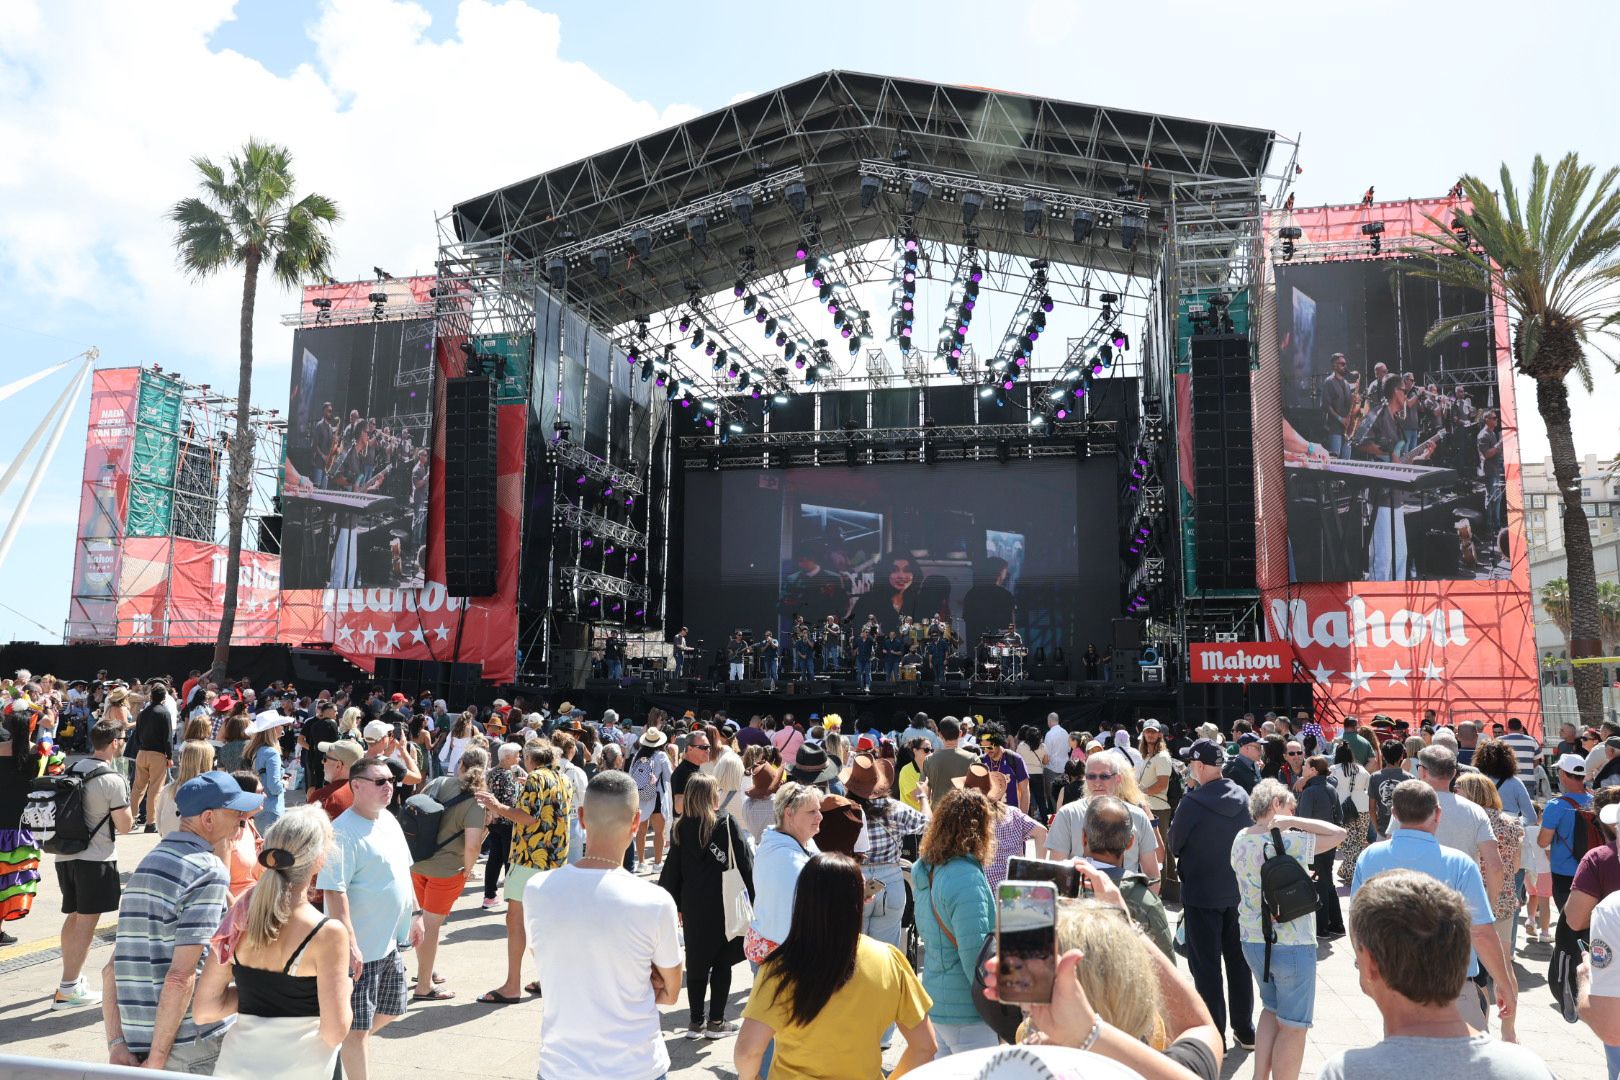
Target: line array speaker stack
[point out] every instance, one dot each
(1223, 462)
(457, 684)
(469, 486)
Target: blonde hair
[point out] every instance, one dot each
(292, 847)
(200, 728)
(267, 737)
(751, 757)
(788, 797)
(349, 722)
(1478, 789)
(474, 767)
(1118, 975)
(835, 746)
(196, 758)
(1129, 789)
(1266, 794)
(698, 802)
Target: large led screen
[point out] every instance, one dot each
(1392, 448)
(355, 490)
(976, 545)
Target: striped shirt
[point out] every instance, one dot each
(1525, 749)
(176, 897)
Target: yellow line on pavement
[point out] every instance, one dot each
(17, 952)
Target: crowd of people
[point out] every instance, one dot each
(312, 846)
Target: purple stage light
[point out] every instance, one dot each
(581, 480)
(847, 330)
(1079, 391)
(633, 557)
(1022, 360)
(1063, 414)
(956, 352)
(596, 603)
(906, 304)
(610, 549)
(911, 243)
(961, 330)
(1008, 385)
(760, 316)
(819, 282)
(968, 304)
(976, 274)
(801, 252)
(587, 542)
(1096, 369)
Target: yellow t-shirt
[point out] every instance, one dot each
(841, 1043)
(908, 786)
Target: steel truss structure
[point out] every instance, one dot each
(707, 220)
(582, 580)
(574, 456)
(569, 516)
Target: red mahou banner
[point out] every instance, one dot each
(1240, 662)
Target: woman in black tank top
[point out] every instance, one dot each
(290, 966)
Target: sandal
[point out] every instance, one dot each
(495, 997)
(438, 980)
(434, 994)
(533, 988)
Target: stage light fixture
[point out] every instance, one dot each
(602, 261)
(1130, 228)
(739, 288)
(720, 361)
(1374, 229)
(697, 337)
(708, 406)
(920, 190)
(750, 302)
(1084, 221)
(1046, 305)
(972, 203)
(1062, 413)
(646, 369)
(781, 338)
(797, 196)
(742, 204)
(685, 324)
(709, 348)
(1032, 215)
(870, 186)
(323, 308)
(557, 272)
(733, 369)
(742, 381)
(641, 240)
(788, 351)
(698, 229)
(803, 252)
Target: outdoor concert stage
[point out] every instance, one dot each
(1012, 368)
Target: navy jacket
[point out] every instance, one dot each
(1206, 820)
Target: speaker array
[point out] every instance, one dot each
(1223, 462)
(469, 487)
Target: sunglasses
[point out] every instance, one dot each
(1296, 753)
(1099, 776)
(697, 746)
(380, 781)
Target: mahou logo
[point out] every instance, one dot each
(1354, 625)
(1245, 662)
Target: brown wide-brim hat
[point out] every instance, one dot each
(978, 778)
(841, 822)
(763, 781)
(868, 777)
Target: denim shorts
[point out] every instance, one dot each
(1291, 990)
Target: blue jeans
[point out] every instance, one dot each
(881, 917)
(829, 657)
(863, 673)
(772, 668)
(1611, 1057)
(957, 1038)
(1290, 993)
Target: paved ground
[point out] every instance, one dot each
(503, 1042)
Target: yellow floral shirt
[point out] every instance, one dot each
(549, 799)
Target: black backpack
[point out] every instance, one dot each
(55, 812)
(421, 825)
(1286, 893)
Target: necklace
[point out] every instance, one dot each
(611, 864)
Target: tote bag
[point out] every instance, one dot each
(734, 893)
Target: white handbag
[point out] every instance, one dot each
(734, 893)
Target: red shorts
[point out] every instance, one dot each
(438, 894)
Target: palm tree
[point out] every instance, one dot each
(247, 215)
(1555, 602)
(1553, 258)
(1609, 614)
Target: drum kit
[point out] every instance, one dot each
(1001, 657)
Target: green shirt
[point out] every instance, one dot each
(1360, 748)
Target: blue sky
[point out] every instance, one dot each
(397, 110)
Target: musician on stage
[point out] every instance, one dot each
(939, 637)
(323, 442)
(871, 626)
(832, 641)
(1489, 442)
(1386, 556)
(355, 471)
(804, 652)
(613, 653)
(736, 650)
(1336, 402)
(866, 650)
(682, 651)
(1412, 415)
(420, 472)
(894, 647)
(771, 652)
(1375, 396)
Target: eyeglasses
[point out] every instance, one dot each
(1296, 753)
(697, 746)
(380, 781)
(1099, 776)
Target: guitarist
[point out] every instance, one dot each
(1336, 403)
(324, 443)
(1387, 559)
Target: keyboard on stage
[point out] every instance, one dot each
(1387, 474)
(338, 499)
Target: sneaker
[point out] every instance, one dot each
(150, 829)
(81, 996)
(492, 903)
(694, 1033)
(719, 1029)
(1245, 1041)
(1545, 937)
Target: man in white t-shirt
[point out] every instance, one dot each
(1464, 826)
(1597, 980)
(606, 1024)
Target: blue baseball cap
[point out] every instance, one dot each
(214, 791)
(1248, 737)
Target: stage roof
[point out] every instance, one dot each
(829, 131)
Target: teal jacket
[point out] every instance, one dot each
(958, 899)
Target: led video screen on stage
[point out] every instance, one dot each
(980, 545)
(1392, 448)
(355, 487)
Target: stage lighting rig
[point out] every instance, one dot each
(797, 196)
(641, 240)
(1290, 235)
(603, 261)
(1374, 229)
(1130, 230)
(972, 203)
(920, 190)
(557, 272)
(870, 186)
(1084, 221)
(323, 308)
(379, 300)
(742, 204)
(1032, 215)
(697, 228)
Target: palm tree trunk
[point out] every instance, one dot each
(1585, 629)
(242, 474)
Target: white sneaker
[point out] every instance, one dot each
(719, 1029)
(694, 1033)
(81, 997)
(1544, 937)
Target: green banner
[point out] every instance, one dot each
(518, 352)
(155, 456)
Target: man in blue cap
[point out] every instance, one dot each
(172, 905)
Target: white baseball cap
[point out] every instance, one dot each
(375, 730)
(1610, 815)
(1573, 764)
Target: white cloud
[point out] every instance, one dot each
(106, 106)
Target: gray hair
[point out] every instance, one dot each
(1265, 795)
(1108, 758)
(508, 752)
(612, 755)
(790, 796)
(1438, 761)
(1108, 826)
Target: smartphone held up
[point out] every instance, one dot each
(1026, 941)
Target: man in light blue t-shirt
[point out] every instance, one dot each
(1415, 812)
(367, 881)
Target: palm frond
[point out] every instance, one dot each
(203, 240)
